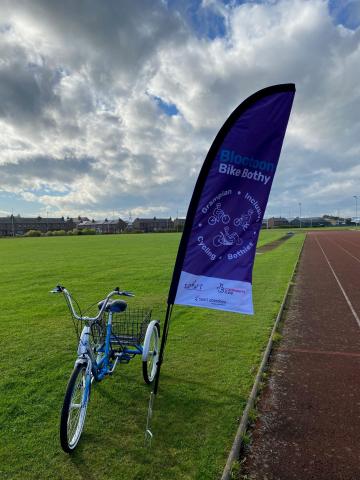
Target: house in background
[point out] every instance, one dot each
(179, 224)
(152, 225)
(277, 222)
(17, 225)
(305, 222)
(103, 226)
(79, 219)
(337, 220)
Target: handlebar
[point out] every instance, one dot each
(68, 298)
(124, 292)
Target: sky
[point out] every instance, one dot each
(108, 108)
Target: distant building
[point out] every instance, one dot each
(276, 222)
(103, 226)
(337, 220)
(16, 225)
(152, 225)
(80, 219)
(179, 224)
(310, 222)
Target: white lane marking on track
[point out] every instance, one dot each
(351, 243)
(339, 283)
(347, 251)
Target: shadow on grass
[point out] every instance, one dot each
(186, 413)
(79, 463)
(186, 419)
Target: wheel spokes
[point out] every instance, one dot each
(152, 355)
(77, 410)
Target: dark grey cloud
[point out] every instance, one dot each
(111, 39)
(47, 169)
(26, 88)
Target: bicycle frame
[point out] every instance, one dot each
(86, 355)
(104, 366)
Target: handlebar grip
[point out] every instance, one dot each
(124, 293)
(58, 289)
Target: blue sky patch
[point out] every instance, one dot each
(12, 203)
(169, 109)
(205, 22)
(345, 12)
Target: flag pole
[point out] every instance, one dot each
(148, 432)
(162, 347)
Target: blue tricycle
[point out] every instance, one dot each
(115, 335)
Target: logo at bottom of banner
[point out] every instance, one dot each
(216, 293)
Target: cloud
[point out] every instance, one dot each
(84, 86)
(63, 171)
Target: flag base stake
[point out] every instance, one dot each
(149, 435)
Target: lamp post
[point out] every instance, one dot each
(356, 210)
(12, 225)
(300, 214)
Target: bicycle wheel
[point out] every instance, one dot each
(217, 241)
(225, 219)
(73, 412)
(151, 352)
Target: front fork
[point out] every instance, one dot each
(86, 355)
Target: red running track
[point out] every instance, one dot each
(309, 423)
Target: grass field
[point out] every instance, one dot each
(267, 236)
(210, 362)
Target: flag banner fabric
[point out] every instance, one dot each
(216, 255)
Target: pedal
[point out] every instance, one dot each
(111, 371)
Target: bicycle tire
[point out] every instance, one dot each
(217, 241)
(149, 367)
(69, 437)
(225, 219)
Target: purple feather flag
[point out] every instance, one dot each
(213, 268)
(217, 250)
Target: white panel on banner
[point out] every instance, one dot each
(215, 293)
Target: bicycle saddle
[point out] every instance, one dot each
(115, 306)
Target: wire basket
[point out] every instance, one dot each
(129, 327)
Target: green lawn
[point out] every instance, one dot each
(267, 236)
(210, 362)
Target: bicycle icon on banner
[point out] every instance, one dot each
(218, 216)
(227, 238)
(244, 220)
